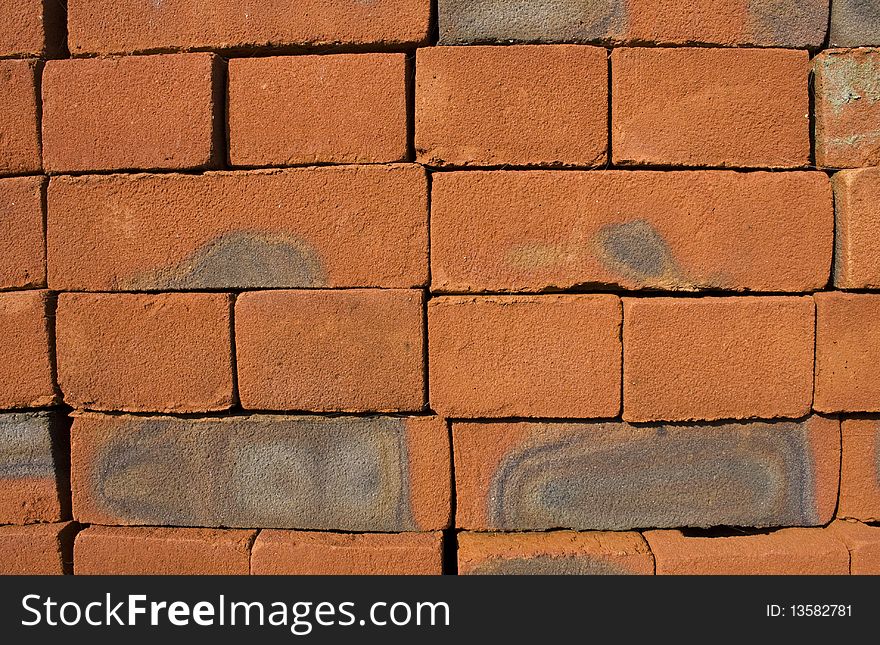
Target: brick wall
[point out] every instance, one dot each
(420, 287)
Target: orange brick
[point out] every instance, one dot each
(139, 112)
(863, 543)
(519, 105)
(148, 551)
(322, 554)
(529, 356)
(31, 27)
(857, 220)
(717, 358)
(847, 352)
(22, 235)
(530, 231)
(785, 552)
(144, 353)
(349, 108)
(19, 124)
(27, 378)
(356, 351)
(860, 470)
(710, 107)
(37, 549)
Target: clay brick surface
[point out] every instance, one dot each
(556, 553)
(38, 549)
(120, 26)
(22, 236)
(776, 23)
(313, 227)
(857, 220)
(147, 551)
(142, 112)
(855, 23)
(530, 356)
(717, 358)
(322, 473)
(31, 27)
(847, 352)
(616, 476)
(19, 124)
(305, 553)
(27, 377)
(143, 353)
(519, 105)
(328, 351)
(528, 231)
(847, 108)
(710, 107)
(863, 543)
(784, 552)
(860, 470)
(291, 110)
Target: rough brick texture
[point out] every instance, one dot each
(27, 375)
(331, 351)
(139, 353)
(520, 105)
(38, 549)
(860, 470)
(863, 543)
(855, 23)
(19, 120)
(615, 476)
(710, 107)
(857, 219)
(31, 27)
(22, 234)
(143, 112)
(306, 553)
(312, 227)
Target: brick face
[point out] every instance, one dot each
(19, 125)
(22, 233)
(37, 550)
(31, 27)
(860, 470)
(27, 373)
(857, 217)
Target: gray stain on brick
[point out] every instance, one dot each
(638, 252)
(549, 565)
(697, 476)
(788, 23)
(855, 23)
(27, 445)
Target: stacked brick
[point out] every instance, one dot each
(519, 287)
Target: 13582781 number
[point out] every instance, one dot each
(806, 611)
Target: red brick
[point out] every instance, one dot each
(139, 112)
(785, 552)
(860, 470)
(144, 353)
(359, 226)
(123, 26)
(38, 549)
(717, 358)
(148, 551)
(22, 235)
(322, 554)
(847, 352)
(519, 105)
(857, 220)
(27, 378)
(349, 108)
(330, 351)
(710, 107)
(556, 553)
(19, 121)
(847, 108)
(530, 231)
(612, 476)
(863, 543)
(529, 356)
(31, 27)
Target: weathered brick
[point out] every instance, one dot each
(22, 235)
(860, 470)
(695, 106)
(151, 551)
(774, 23)
(519, 105)
(145, 353)
(31, 27)
(331, 351)
(717, 358)
(27, 377)
(863, 543)
(847, 352)
(556, 553)
(847, 108)
(530, 231)
(791, 551)
(124, 26)
(37, 549)
(137, 112)
(327, 473)
(305, 553)
(360, 226)
(19, 121)
(285, 111)
(857, 220)
(529, 356)
(855, 23)
(616, 476)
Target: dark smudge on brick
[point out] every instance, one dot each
(788, 23)
(550, 565)
(27, 445)
(638, 252)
